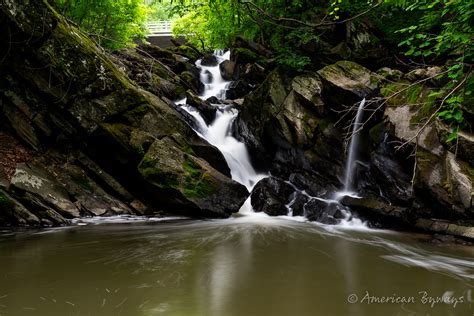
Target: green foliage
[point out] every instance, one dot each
(445, 31)
(113, 23)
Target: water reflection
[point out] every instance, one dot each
(241, 266)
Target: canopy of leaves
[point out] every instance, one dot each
(113, 23)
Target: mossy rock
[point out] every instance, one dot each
(189, 179)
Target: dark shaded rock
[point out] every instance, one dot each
(227, 69)
(193, 80)
(393, 178)
(208, 112)
(237, 89)
(299, 201)
(12, 212)
(191, 53)
(314, 209)
(374, 208)
(209, 60)
(312, 184)
(270, 195)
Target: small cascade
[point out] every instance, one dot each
(218, 133)
(351, 157)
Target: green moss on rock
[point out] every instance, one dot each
(197, 183)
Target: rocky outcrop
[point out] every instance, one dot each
(271, 195)
(346, 83)
(137, 155)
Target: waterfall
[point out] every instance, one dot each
(351, 155)
(218, 133)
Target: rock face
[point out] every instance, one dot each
(84, 103)
(271, 195)
(346, 83)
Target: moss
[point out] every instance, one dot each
(185, 147)
(83, 181)
(5, 202)
(150, 171)
(244, 55)
(469, 170)
(197, 183)
(135, 115)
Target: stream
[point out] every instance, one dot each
(250, 264)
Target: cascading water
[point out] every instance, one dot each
(218, 133)
(351, 155)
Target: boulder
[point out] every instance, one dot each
(193, 80)
(323, 212)
(345, 83)
(280, 122)
(227, 69)
(374, 208)
(401, 118)
(188, 183)
(39, 183)
(208, 112)
(271, 195)
(209, 60)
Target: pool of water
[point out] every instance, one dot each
(250, 265)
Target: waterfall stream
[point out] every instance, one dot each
(218, 133)
(351, 155)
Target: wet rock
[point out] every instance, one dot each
(117, 124)
(392, 178)
(323, 212)
(193, 80)
(299, 201)
(227, 69)
(189, 184)
(423, 73)
(209, 60)
(238, 89)
(271, 195)
(446, 227)
(207, 77)
(375, 208)
(208, 112)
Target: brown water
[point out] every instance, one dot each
(242, 266)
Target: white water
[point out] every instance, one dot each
(351, 158)
(218, 133)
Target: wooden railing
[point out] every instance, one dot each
(157, 28)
